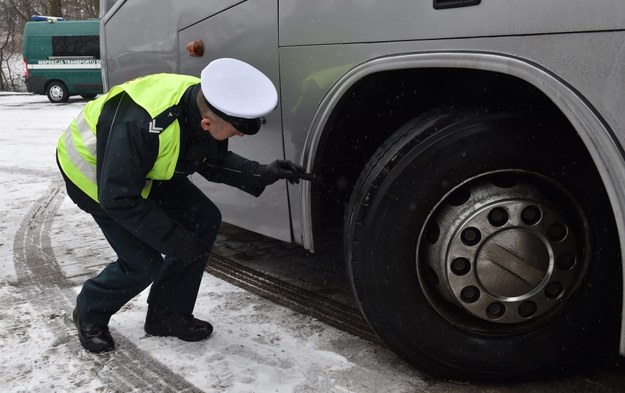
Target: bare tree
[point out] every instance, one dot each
(12, 20)
(82, 9)
(55, 8)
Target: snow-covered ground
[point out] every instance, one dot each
(257, 346)
(48, 247)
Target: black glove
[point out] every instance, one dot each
(281, 169)
(191, 248)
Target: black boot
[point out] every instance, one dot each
(94, 338)
(183, 326)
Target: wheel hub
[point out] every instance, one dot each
(504, 273)
(504, 254)
(56, 93)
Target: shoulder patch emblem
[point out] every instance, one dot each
(163, 120)
(153, 129)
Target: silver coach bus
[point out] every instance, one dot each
(472, 153)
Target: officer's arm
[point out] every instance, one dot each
(231, 169)
(126, 153)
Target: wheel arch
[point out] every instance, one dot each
(600, 141)
(52, 80)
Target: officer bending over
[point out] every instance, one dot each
(125, 160)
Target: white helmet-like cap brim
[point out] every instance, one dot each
(238, 89)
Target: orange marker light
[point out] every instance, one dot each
(195, 48)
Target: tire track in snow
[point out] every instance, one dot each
(44, 286)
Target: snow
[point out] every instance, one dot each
(13, 69)
(257, 346)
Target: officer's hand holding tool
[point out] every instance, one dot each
(281, 169)
(191, 249)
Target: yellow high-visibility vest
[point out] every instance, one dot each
(76, 149)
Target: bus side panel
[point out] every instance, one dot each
(249, 32)
(323, 22)
(132, 50)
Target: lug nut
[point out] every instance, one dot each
(460, 266)
(531, 215)
(565, 261)
(498, 216)
(557, 232)
(527, 309)
(471, 236)
(553, 290)
(470, 294)
(495, 310)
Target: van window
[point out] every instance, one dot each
(76, 46)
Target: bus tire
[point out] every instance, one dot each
(481, 246)
(57, 92)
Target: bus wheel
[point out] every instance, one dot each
(57, 92)
(481, 246)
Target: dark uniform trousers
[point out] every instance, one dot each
(174, 285)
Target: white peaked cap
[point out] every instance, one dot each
(238, 89)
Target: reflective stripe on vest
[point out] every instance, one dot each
(77, 145)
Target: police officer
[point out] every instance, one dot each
(125, 160)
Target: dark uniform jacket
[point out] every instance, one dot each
(126, 152)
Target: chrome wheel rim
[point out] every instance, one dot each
(56, 92)
(498, 255)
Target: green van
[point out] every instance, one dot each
(62, 58)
